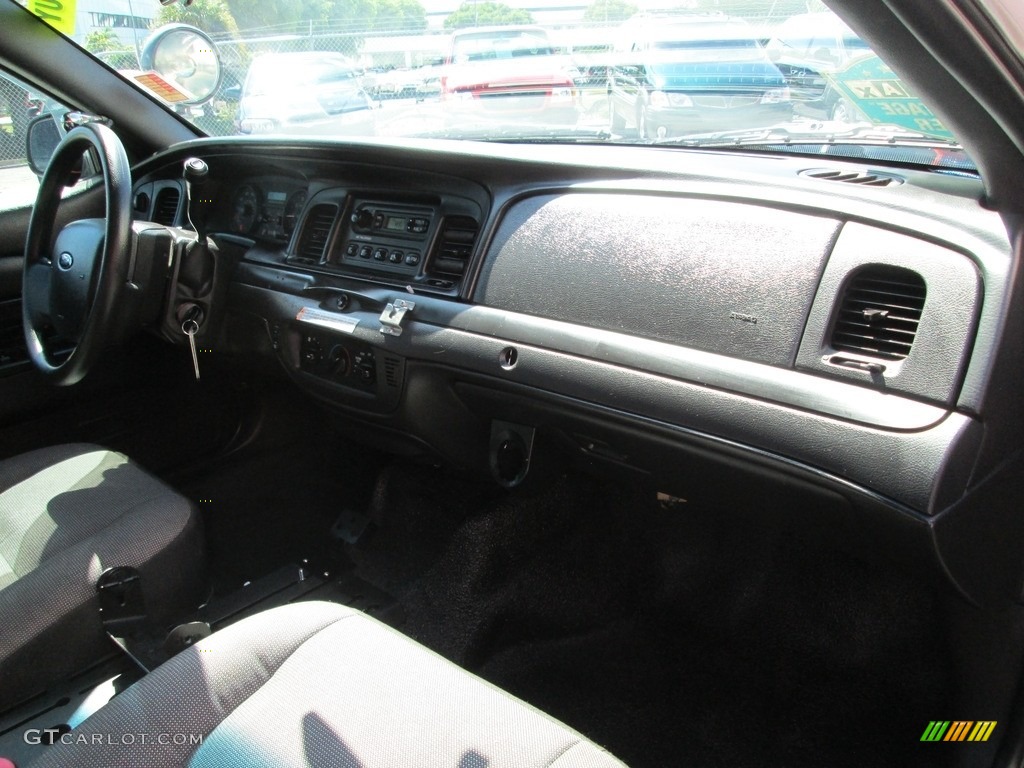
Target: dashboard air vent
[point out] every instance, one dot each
(861, 178)
(392, 371)
(165, 210)
(880, 311)
(454, 247)
(316, 231)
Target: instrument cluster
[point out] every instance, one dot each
(267, 209)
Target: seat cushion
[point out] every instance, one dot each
(68, 513)
(318, 684)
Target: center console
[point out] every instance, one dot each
(393, 238)
(421, 240)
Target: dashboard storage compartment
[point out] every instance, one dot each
(739, 283)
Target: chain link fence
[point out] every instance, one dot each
(372, 52)
(17, 108)
(395, 63)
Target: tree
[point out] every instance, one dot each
(108, 47)
(211, 16)
(351, 18)
(399, 16)
(257, 14)
(103, 40)
(754, 9)
(609, 10)
(475, 14)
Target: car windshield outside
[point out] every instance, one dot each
(499, 44)
(762, 75)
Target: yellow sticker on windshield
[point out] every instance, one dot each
(59, 14)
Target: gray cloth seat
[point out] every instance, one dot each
(68, 513)
(318, 684)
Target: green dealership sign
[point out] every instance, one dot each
(881, 96)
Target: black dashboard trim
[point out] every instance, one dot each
(856, 452)
(850, 402)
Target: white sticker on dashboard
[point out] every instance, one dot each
(312, 316)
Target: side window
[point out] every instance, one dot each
(17, 182)
(19, 105)
(15, 177)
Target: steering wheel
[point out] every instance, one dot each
(71, 284)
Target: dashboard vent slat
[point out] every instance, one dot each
(392, 372)
(165, 209)
(880, 312)
(861, 178)
(454, 247)
(316, 231)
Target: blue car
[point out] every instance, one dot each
(674, 75)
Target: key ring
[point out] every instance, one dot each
(190, 327)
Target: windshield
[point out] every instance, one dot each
(499, 44)
(764, 75)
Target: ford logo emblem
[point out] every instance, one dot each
(65, 261)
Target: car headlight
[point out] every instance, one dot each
(775, 96)
(659, 99)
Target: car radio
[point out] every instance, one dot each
(381, 235)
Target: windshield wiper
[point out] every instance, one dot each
(811, 133)
(522, 134)
(888, 144)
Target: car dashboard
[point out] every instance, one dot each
(807, 339)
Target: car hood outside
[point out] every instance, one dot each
(299, 105)
(714, 75)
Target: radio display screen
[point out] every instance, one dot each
(395, 224)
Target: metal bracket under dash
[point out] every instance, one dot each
(393, 315)
(329, 320)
